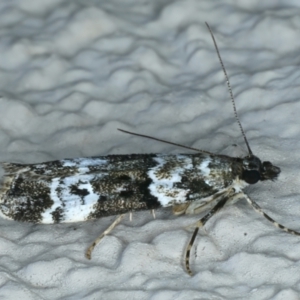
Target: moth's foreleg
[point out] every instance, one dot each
(258, 209)
(90, 249)
(199, 224)
(153, 213)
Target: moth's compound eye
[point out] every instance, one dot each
(251, 177)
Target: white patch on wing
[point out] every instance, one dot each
(75, 207)
(83, 164)
(46, 215)
(163, 188)
(205, 170)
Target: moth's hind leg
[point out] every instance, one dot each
(153, 213)
(199, 224)
(90, 249)
(258, 209)
(197, 206)
(229, 196)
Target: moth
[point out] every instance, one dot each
(80, 189)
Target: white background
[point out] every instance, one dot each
(72, 72)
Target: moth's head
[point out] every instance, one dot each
(255, 170)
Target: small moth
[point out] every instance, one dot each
(74, 190)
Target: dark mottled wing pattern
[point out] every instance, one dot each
(73, 190)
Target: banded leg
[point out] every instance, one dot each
(258, 209)
(153, 213)
(199, 224)
(90, 249)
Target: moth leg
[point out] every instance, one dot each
(199, 224)
(258, 209)
(90, 249)
(229, 196)
(198, 206)
(179, 209)
(130, 216)
(153, 213)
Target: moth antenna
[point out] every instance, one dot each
(229, 89)
(163, 141)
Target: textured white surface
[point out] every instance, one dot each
(72, 72)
